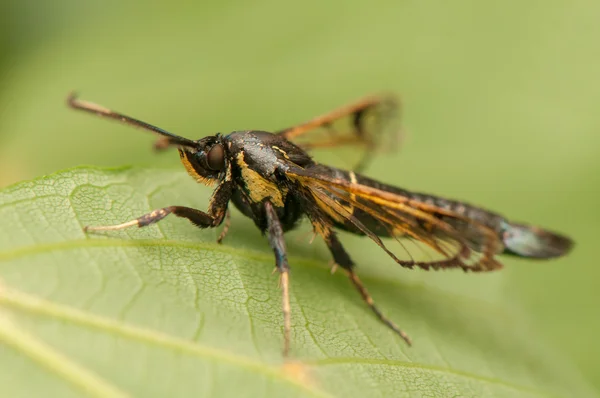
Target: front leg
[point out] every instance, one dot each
(196, 217)
(214, 217)
(275, 235)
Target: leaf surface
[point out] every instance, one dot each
(164, 310)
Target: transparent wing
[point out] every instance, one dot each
(356, 131)
(455, 241)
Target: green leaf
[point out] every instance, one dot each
(165, 311)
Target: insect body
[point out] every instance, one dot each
(272, 179)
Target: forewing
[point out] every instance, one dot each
(347, 137)
(403, 217)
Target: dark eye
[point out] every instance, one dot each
(215, 157)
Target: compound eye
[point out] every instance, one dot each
(215, 158)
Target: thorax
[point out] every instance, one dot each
(258, 172)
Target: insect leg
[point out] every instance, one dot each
(223, 233)
(216, 212)
(275, 234)
(161, 144)
(342, 258)
(196, 217)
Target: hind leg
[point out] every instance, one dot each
(343, 260)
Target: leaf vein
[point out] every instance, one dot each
(55, 362)
(32, 304)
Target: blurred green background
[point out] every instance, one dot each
(501, 105)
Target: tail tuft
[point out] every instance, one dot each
(534, 242)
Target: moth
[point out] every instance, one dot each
(273, 179)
